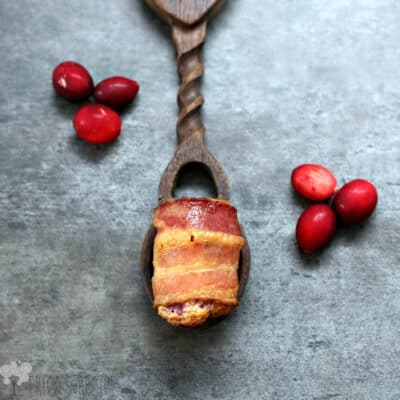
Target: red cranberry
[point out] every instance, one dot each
(314, 182)
(97, 124)
(72, 81)
(355, 201)
(116, 91)
(315, 227)
(177, 308)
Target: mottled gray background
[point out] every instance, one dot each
(286, 82)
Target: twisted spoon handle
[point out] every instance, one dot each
(188, 42)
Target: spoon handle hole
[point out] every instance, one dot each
(194, 180)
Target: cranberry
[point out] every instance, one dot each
(97, 124)
(315, 227)
(177, 308)
(355, 201)
(116, 91)
(314, 182)
(72, 81)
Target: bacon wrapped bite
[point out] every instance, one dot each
(196, 256)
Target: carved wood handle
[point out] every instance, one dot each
(188, 19)
(188, 42)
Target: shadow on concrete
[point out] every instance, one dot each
(90, 152)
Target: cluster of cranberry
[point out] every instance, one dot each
(97, 122)
(352, 203)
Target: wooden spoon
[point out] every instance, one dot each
(188, 19)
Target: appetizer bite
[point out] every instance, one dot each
(196, 257)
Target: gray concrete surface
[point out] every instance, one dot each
(286, 82)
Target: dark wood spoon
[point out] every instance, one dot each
(188, 19)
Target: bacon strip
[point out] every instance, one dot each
(207, 214)
(184, 247)
(220, 283)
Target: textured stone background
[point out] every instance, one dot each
(286, 82)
